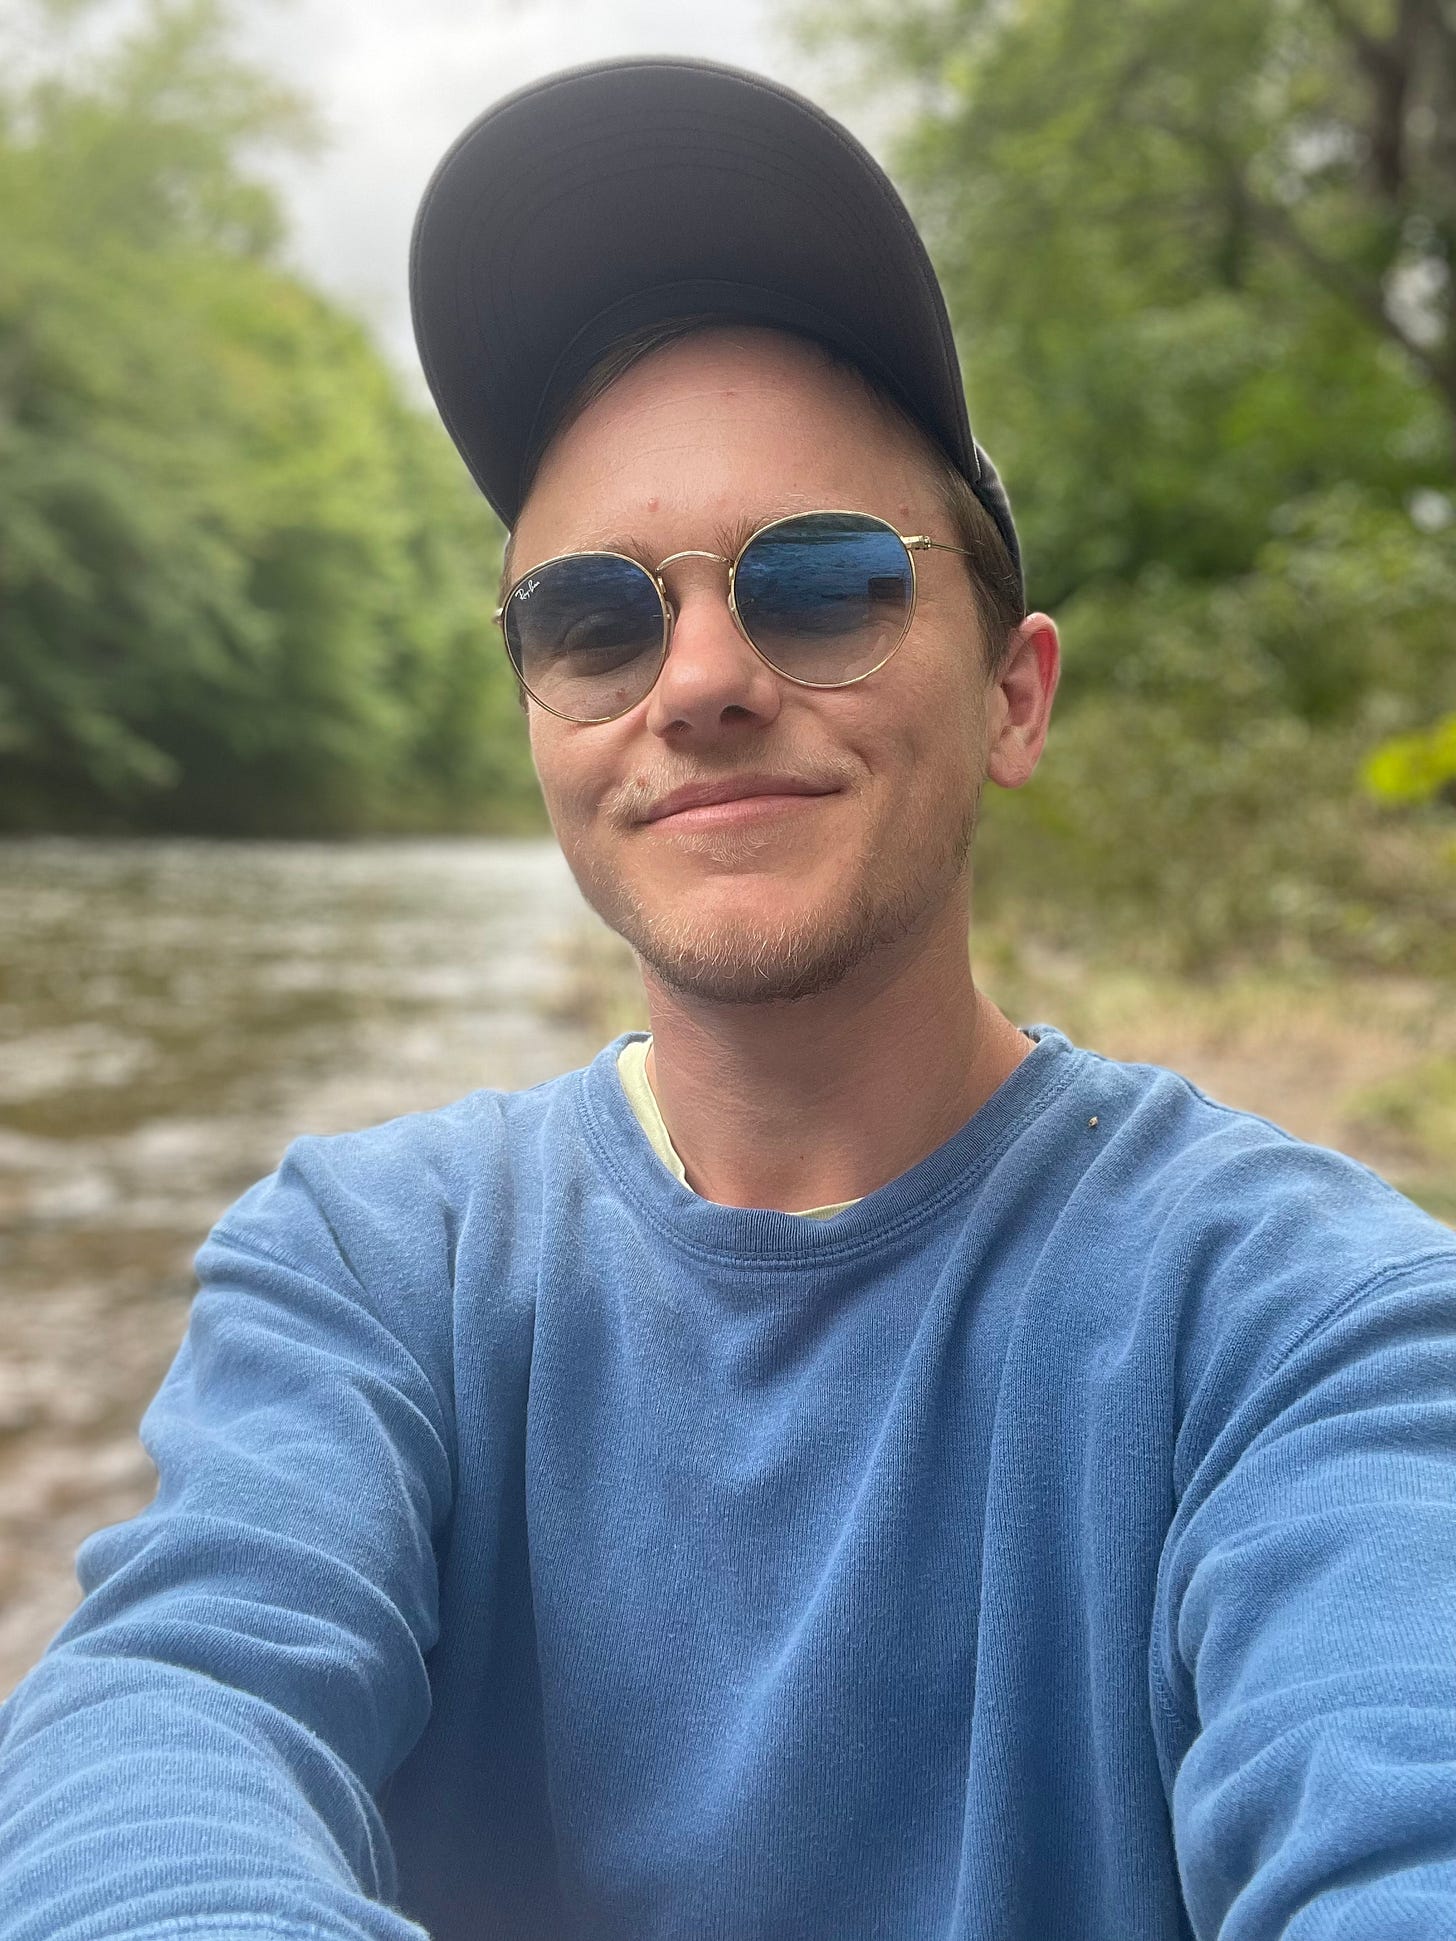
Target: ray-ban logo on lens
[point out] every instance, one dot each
(525, 592)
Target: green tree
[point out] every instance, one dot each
(242, 585)
(1200, 261)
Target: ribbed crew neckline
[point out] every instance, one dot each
(754, 1237)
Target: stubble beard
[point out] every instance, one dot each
(779, 963)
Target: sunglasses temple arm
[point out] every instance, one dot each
(919, 542)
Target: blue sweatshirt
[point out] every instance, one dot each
(1059, 1543)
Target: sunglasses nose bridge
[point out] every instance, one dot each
(674, 605)
(692, 552)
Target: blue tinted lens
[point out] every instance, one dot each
(586, 634)
(825, 596)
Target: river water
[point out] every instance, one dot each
(171, 1014)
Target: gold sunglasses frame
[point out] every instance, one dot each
(913, 542)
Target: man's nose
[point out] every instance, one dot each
(712, 681)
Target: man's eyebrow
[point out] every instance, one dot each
(630, 544)
(730, 539)
(626, 543)
(727, 539)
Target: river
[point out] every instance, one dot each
(171, 1014)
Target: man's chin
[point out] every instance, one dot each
(761, 938)
(740, 972)
(719, 950)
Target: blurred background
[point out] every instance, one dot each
(271, 855)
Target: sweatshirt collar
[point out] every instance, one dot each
(880, 1220)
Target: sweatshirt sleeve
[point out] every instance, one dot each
(1305, 1656)
(199, 1750)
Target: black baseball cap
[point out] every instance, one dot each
(628, 193)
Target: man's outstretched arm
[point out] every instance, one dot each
(1307, 1645)
(198, 1751)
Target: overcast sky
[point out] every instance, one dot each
(395, 83)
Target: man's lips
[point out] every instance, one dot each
(731, 790)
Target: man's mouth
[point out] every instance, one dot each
(733, 799)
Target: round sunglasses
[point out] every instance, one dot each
(824, 598)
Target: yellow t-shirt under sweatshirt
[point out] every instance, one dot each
(632, 1070)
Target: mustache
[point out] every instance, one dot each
(626, 805)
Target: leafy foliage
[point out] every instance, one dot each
(1415, 768)
(1200, 260)
(243, 586)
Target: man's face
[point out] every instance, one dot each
(858, 835)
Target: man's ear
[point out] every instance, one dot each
(1020, 702)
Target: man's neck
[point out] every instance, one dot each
(823, 1099)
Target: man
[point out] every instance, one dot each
(843, 1466)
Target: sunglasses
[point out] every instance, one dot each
(824, 598)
